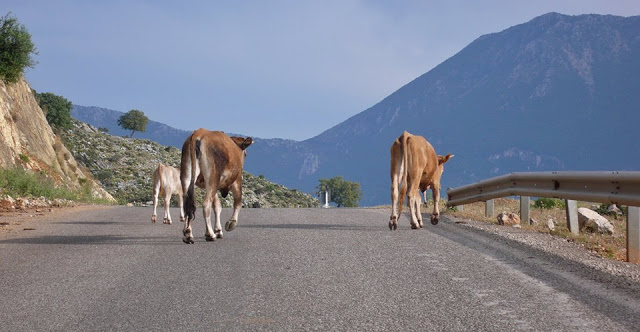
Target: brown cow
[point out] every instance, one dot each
(414, 165)
(166, 179)
(213, 160)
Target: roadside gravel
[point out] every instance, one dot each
(560, 247)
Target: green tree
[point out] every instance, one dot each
(16, 48)
(343, 193)
(134, 120)
(56, 108)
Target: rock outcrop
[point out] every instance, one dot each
(593, 222)
(27, 140)
(505, 218)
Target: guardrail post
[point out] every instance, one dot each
(572, 216)
(633, 234)
(488, 208)
(525, 216)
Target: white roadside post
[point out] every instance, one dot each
(326, 197)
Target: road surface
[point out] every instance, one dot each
(295, 270)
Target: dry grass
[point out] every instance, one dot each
(608, 246)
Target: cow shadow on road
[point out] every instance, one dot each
(315, 226)
(99, 223)
(93, 240)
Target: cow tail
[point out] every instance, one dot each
(405, 171)
(189, 198)
(157, 178)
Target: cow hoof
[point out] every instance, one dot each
(210, 238)
(393, 223)
(415, 226)
(167, 221)
(218, 233)
(393, 226)
(434, 220)
(153, 219)
(230, 225)
(182, 219)
(188, 240)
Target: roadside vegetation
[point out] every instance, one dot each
(342, 192)
(18, 182)
(603, 245)
(57, 110)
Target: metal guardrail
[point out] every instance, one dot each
(621, 188)
(615, 187)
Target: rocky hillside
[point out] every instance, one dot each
(125, 166)
(27, 140)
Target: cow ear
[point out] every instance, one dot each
(444, 159)
(245, 144)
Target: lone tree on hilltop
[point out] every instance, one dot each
(134, 120)
(16, 48)
(57, 109)
(343, 193)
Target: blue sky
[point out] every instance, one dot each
(269, 69)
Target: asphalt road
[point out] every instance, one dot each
(294, 270)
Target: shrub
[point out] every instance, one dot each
(343, 193)
(603, 209)
(16, 48)
(105, 176)
(19, 182)
(548, 203)
(56, 108)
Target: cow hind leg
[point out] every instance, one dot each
(418, 214)
(181, 206)
(167, 213)
(206, 211)
(156, 192)
(436, 198)
(189, 203)
(393, 220)
(217, 210)
(187, 233)
(412, 212)
(236, 190)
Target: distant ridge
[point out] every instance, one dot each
(556, 93)
(106, 118)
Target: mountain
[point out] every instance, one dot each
(556, 93)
